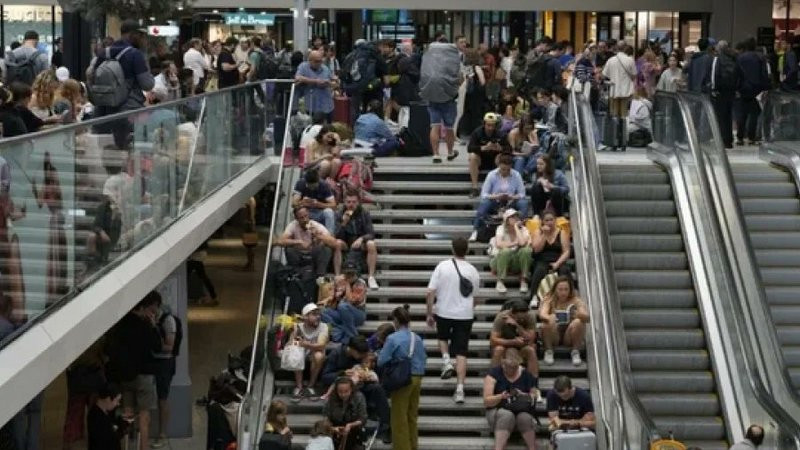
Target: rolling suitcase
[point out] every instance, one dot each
(574, 440)
(341, 110)
(615, 131)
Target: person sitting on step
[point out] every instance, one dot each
(549, 187)
(503, 188)
(318, 197)
(311, 334)
(515, 327)
(354, 231)
(503, 385)
(511, 251)
(551, 249)
(323, 153)
(485, 143)
(347, 411)
(564, 316)
(344, 310)
(308, 244)
(569, 406)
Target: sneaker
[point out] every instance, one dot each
(549, 358)
(158, 442)
(523, 287)
(453, 155)
(501, 288)
(437, 159)
(458, 397)
(448, 371)
(311, 394)
(385, 434)
(474, 236)
(373, 283)
(576, 357)
(297, 394)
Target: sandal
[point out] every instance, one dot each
(453, 155)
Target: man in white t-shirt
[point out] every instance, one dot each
(620, 70)
(312, 334)
(454, 311)
(308, 242)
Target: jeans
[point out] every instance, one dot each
(320, 258)
(405, 412)
(513, 260)
(723, 107)
(200, 268)
(27, 425)
(345, 320)
(325, 217)
(488, 206)
(747, 120)
(525, 165)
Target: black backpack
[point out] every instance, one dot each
(176, 347)
(266, 67)
(726, 75)
(23, 71)
(358, 70)
(537, 73)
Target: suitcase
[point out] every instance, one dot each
(341, 110)
(574, 440)
(417, 139)
(614, 131)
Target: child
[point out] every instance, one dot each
(321, 436)
(360, 374)
(375, 342)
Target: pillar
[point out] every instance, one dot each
(735, 20)
(174, 292)
(300, 26)
(76, 41)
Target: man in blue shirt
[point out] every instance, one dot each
(317, 197)
(569, 406)
(370, 127)
(502, 187)
(316, 81)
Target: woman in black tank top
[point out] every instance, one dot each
(551, 248)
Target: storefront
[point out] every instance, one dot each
(220, 24)
(15, 20)
(786, 18)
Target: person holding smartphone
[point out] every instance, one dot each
(564, 317)
(506, 388)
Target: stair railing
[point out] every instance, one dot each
(625, 423)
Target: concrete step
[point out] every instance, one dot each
(416, 200)
(472, 384)
(442, 443)
(429, 261)
(404, 229)
(418, 294)
(422, 186)
(428, 245)
(417, 214)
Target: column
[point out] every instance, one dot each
(734, 20)
(300, 26)
(173, 292)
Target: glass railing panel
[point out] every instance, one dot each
(80, 198)
(781, 116)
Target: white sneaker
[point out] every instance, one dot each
(373, 283)
(523, 287)
(576, 358)
(549, 359)
(459, 397)
(501, 288)
(474, 236)
(448, 371)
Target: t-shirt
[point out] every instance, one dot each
(322, 192)
(500, 320)
(572, 409)
(168, 325)
(524, 383)
(296, 232)
(226, 78)
(317, 335)
(450, 304)
(320, 443)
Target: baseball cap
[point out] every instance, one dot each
(62, 74)
(491, 117)
(509, 212)
(131, 25)
(516, 305)
(309, 308)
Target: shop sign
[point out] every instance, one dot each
(163, 30)
(242, 18)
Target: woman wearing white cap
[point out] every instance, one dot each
(511, 251)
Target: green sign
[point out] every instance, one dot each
(242, 18)
(384, 16)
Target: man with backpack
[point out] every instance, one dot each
(724, 78)
(118, 79)
(26, 61)
(755, 80)
(362, 73)
(440, 78)
(171, 331)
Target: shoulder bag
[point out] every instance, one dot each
(464, 285)
(396, 374)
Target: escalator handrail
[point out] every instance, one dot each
(610, 318)
(247, 407)
(717, 186)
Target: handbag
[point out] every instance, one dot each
(293, 357)
(464, 285)
(546, 285)
(521, 403)
(396, 374)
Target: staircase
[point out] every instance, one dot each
(669, 360)
(770, 204)
(421, 206)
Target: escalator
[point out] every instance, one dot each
(668, 352)
(769, 200)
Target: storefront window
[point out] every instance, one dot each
(21, 18)
(630, 27)
(660, 30)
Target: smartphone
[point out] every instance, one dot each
(562, 316)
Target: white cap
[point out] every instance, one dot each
(509, 212)
(62, 74)
(309, 308)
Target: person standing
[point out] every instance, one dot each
(440, 77)
(752, 439)
(621, 72)
(317, 82)
(724, 81)
(26, 61)
(405, 401)
(194, 60)
(227, 68)
(454, 311)
(104, 429)
(755, 80)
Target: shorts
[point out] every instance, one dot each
(139, 394)
(455, 331)
(166, 370)
(488, 159)
(443, 113)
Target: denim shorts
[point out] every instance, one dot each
(443, 113)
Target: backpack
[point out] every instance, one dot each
(536, 73)
(518, 72)
(106, 81)
(358, 70)
(726, 76)
(266, 67)
(24, 71)
(176, 347)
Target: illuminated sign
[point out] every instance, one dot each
(242, 18)
(163, 30)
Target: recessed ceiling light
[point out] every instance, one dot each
(216, 11)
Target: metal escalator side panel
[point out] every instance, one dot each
(626, 427)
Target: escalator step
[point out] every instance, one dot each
(764, 240)
(780, 276)
(776, 222)
(665, 339)
(777, 258)
(666, 381)
(772, 190)
(676, 404)
(760, 174)
(635, 192)
(640, 208)
(658, 243)
(782, 295)
(645, 228)
(656, 298)
(661, 318)
(785, 315)
(682, 359)
(626, 177)
(693, 428)
(650, 261)
(788, 334)
(643, 279)
(770, 206)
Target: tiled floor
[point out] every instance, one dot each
(213, 332)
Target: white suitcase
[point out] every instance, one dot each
(574, 440)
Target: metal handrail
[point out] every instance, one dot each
(728, 225)
(605, 307)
